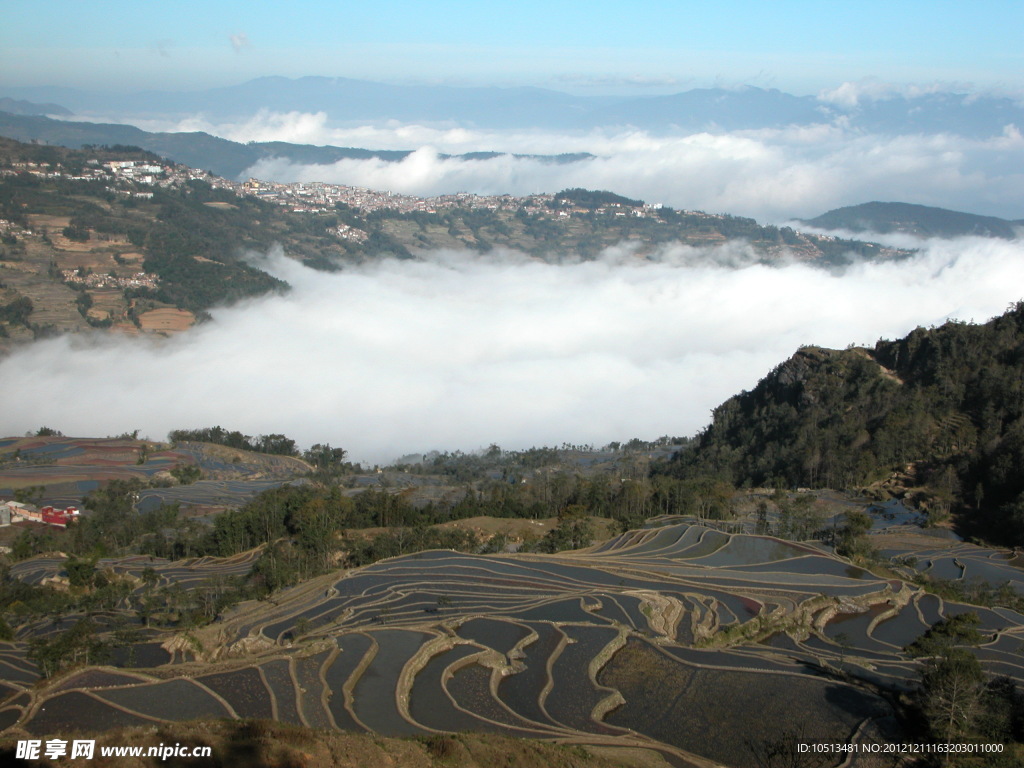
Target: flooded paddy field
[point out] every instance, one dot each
(752, 550)
(521, 692)
(18, 670)
(558, 610)
(470, 689)
(716, 659)
(97, 678)
(141, 655)
(68, 468)
(185, 573)
(703, 710)
(502, 636)
(244, 691)
(671, 638)
(990, 620)
(429, 704)
(611, 609)
(9, 717)
(87, 712)
(352, 650)
(901, 629)
(574, 695)
(375, 694)
(279, 681)
(208, 494)
(311, 689)
(178, 699)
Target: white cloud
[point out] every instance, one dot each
(854, 92)
(771, 175)
(239, 41)
(458, 351)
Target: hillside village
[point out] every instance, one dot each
(132, 178)
(117, 238)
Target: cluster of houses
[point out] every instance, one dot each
(318, 197)
(130, 173)
(98, 280)
(16, 512)
(309, 197)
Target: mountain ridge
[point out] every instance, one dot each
(226, 158)
(749, 107)
(910, 218)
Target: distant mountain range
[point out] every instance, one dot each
(345, 100)
(19, 107)
(921, 220)
(201, 150)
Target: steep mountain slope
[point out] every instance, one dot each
(945, 404)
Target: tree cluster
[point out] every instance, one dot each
(275, 444)
(957, 701)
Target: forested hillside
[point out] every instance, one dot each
(943, 407)
(921, 220)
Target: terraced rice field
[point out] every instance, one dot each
(185, 573)
(672, 639)
(962, 562)
(68, 468)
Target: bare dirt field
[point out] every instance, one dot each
(166, 320)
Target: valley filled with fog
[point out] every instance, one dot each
(459, 350)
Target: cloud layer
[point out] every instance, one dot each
(771, 175)
(458, 351)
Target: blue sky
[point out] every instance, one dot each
(586, 47)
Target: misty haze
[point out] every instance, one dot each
(458, 351)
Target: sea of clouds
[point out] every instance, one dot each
(772, 175)
(456, 350)
(459, 350)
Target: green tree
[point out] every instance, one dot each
(952, 691)
(79, 645)
(186, 474)
(572, 532)
(961, 629)
(30, 494)
(323, 456)
(762, 528)
(851, 540)
(80, 572)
